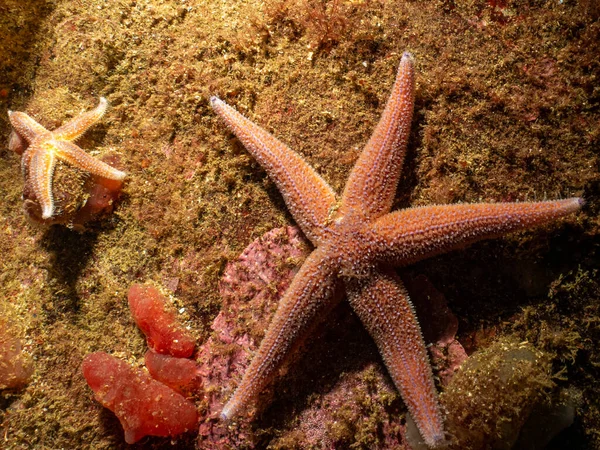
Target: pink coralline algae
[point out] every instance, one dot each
(163, 333)
(251, 287)
(144, 407)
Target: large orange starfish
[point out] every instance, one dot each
(42, 148)
(357, 240)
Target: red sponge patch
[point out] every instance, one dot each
(180, 374)
(142, 405)
(163, 333)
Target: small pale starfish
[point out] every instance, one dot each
(43, 148)
(357, 240)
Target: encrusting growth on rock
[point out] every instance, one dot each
(15, 365)
(163, 332)
(357, 241)
(503, 381)
(142, 405)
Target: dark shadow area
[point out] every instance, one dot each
(408, 176)
(572, 438)
(339, 345)
(8, 397)
(70, 252)
(494, 279)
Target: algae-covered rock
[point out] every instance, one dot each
(493, 393)
(15, 364)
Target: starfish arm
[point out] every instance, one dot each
(372, 184)
(80, 124)
(309, 297)
(382, 304)
(75, 156)
(25, 126)
(307, 196)
(409, 235)
(41, 170)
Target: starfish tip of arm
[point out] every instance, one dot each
(227, 413)
(103, 105)
(574, 204)
(47, 212)
(215, 101)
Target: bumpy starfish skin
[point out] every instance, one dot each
(307, 195)
(358, 240)
(43, 148)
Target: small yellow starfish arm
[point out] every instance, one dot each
(372, 184)
(46, 147)
(26, 127)
(41, 164)
(72, 154)
(308, 197)
(74, 128)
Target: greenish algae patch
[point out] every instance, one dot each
(507, 109)
(492, 395)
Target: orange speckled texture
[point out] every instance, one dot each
(15, 364)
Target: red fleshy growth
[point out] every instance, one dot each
(16, 143)
(144, 406)
(180, 374)
(163, 333)
(103, 193)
